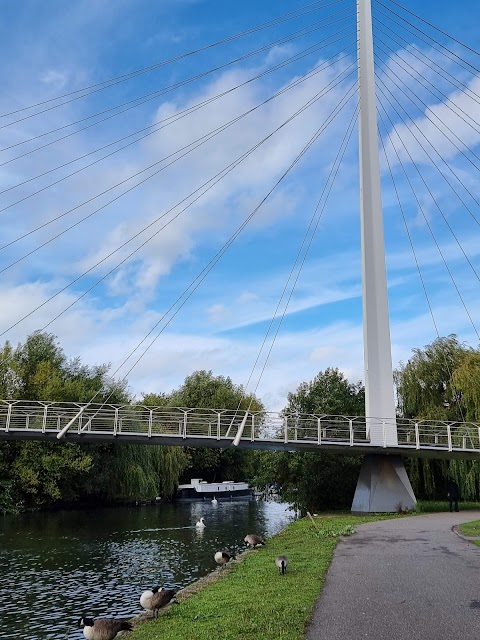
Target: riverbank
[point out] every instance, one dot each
(250, 599)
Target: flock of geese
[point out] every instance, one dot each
(155, 599)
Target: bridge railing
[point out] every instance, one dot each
(219, 424)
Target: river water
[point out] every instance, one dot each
(56, 567)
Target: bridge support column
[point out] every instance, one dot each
(383, 486)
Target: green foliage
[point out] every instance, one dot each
(328, 393)
(316, 481)
(441, 382)
(204, 390)
(35, 474)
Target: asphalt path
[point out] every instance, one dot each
(402, 579)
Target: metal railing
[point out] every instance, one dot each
(179, 424)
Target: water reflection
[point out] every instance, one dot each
(65, 564)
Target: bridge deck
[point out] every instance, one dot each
(217, 428)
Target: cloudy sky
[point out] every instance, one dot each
(121, 200)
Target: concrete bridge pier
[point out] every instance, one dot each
(383, 486)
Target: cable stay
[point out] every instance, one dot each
(165, 122)
(453, 56)
(410, 240)
(105, 84)
(159, 92)
(426, 115)
(424, 59)
(207, 186)
(434, 91)
(194, 145)
(425, 217)
(194, 285)
(452, 171)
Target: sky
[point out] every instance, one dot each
(108, 231)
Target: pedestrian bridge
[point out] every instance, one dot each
(139, 424)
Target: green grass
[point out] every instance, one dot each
(470, 529)
(434, 506)
(250, 600)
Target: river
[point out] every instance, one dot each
(57, 566)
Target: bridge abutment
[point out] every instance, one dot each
(383, 486)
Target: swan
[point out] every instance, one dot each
(200, 524)
(214, 501)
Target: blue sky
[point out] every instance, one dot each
(53, 48)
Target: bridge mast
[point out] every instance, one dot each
(383, 484)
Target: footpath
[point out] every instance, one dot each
(403, 579)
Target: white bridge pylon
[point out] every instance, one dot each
(180, 426)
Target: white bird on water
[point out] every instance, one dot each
(200, 524)
(214, 501)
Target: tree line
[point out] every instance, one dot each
(440, 381)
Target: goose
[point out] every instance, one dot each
(222, 558)
(214, 501)
(157, 598)
(251, 540)
(103, 628)
(200, 524)
(281, 562)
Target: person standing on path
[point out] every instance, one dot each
(453, 494)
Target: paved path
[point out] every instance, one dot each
(404, 579)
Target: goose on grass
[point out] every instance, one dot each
(103, 628)
(222, 558)
(157, 598)
(281, 562)
(252, 540)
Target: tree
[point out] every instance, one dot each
(316, 481)
(441, 382)
(203, 390)
(40, 473)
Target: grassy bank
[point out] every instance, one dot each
(434, 506)
(250, 600)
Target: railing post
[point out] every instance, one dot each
(150, 423)
(384, 434)
(115, 422)
(252, 435)
(319, 426)
(218, 425)
(44, 420)
(184, 432)
(478, 437)
(285, 429)
(464, 442)
(417, 436)
(9, 417)
(27, 421)
(449, 437)
(350, 426)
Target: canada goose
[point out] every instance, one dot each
(251, 540)
(157, 598)
(103, 628)
(281, 562)
(222, 558)
(200, 524)
(214, 501)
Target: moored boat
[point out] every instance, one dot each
(200, 490)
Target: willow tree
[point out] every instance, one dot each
(204, 390)
(441, 382)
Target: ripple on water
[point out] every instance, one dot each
(56, 567)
